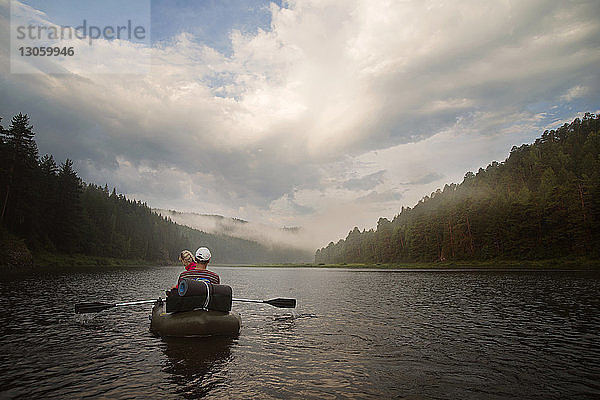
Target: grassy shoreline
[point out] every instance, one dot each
(49, 260)
(558, 264)
(52, 260)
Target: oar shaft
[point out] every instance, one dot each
(83, 308)
(248, 300)
(133, 303)
(97, 307)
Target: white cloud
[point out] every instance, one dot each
(574, 93)
(335, 91)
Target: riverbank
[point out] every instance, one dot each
(52, 260)
(561, 263)
(14, 255)
(49, 260)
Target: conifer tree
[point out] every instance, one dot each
(19, 199)
(48, 191)
(67, 224)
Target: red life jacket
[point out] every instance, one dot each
(191, 266)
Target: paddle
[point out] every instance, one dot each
(83, 308)
(280, 303)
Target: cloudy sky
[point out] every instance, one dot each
(325, 114)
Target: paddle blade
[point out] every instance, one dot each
(282, 303)
(83, 308)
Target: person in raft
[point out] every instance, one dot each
(195, 266)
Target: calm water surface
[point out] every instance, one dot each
(355, 334)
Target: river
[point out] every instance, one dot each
(355, 334)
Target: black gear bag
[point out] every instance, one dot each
(194, 294)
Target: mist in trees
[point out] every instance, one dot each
(543, 201)
(50, 207)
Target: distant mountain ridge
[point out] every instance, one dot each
(238, 228)
(543, 201)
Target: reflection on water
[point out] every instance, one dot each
(197, 366)
(293, 316)
(354, 335)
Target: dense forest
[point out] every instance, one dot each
(47, 208)
(542, 202)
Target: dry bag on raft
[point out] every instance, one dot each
(199, 294)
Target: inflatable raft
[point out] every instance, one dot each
(194, 323)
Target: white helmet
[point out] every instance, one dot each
(202, 254)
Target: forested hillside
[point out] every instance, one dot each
(53, 210)
(543, 201)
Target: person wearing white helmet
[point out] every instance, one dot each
(198, 271)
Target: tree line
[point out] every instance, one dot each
(542, 202)
(53, 210)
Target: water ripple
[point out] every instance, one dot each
(416, 334)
